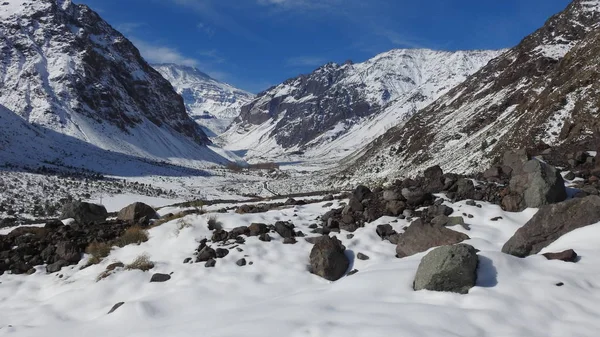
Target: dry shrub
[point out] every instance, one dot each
(133, 235)
(214, 223)
(98, 251)
(141, 262)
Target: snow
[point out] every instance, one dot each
(277, 296)
(555, 51)
(115, 203)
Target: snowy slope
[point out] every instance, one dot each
(211, 103)
(340, 108)
(542, 93)
(79, 86)
(277, 296)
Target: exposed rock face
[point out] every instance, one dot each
(335, 102)
(66, 71)
(84, 212)
(566, 256)
(420, 236)
(551, 222)
(448, 268)
(136, 212)
(327, 258)
(541, 91)
(535, 185)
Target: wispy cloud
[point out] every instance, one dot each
(305, 61)
(206, 29)
(157, 53)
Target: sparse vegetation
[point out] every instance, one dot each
(141, 262)
(214, 223)
(133, 235)
(98, 251)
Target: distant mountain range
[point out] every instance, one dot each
(211, 103)
(339, 108)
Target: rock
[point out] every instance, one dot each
(416, 196)
(187, 260)
(457, 220)
(551, 222)
(327, 258)
(221, 252)
(354, 205)
(567, 256)
(349, 236)
(115, 307)
(257, 229)
(54, 224)
(465, 189)
(515, 160)
(385, 231)
(68, 252)
(448, 268)
(285, 229)
(362, 256)
(352, 272)
(210, 263)
(238, 231)
(241, 262)
(391, 195)
(434, 179)
(436, 210)
(440, 220)
(206, 254)
(361, 193)
(158, 277)
(219, 235)
(496, 218)
(136, 211)
(395, 207)
(84, 213)
(289, 241)
(56, 266)
(570, 176)
(420, 236)
(265, 237)
(538, 184)
(332, 223)
(328, 197)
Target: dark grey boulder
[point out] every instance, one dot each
(56, 266)
(68, 252)
(158, 277)
(241, 262)
(449, 269)
(210, 263)
(257, 229)
(206, 254)
(361, 193)
(514, 160)
(84, 213)
(391, 195)
(538, 184)
(568, 255)
(221, 252)
(465, 189)
(416, 196)
(551, 222)
(433, 179)
(362, 256)
(285, 229)
(327, 258)
(385, 231)
(420, 236)
(137, 211)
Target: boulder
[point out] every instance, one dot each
(385, 231)
(416, 196)
(285, 229)
(433, 179)
(551, 222)
(56, 266)
(84, 213)
(241, 262)
(567, 256)
(465, 189)
(449, 269)
(420, 236)
(206, 254)
(137, 211)
(361, 193)
(257, 229)
(327, 258)
(160, 278)
(395, 207)
(68, 252)
(391, 195)
(538, 184)
(515, 160)
(362, 256)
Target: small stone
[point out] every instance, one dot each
(560, 284)
(265, 237)
(241, 262)
(210, 263)
(354, 271)
(221, 252)
(115, 307)
(497, 218)
(566, 256)
(349, 236)
(362, 256)
(160, 278)
(187, 260)
(289, 241)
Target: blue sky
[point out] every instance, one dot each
(254, 44)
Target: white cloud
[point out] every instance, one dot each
(155, 53)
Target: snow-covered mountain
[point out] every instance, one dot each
(340, 108)
(211, 103)
(73, 85)
(542, 93)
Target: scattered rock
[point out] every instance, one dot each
(349, 236)
(285, 229)
(210, 263)
(496, 218)
(361, 193)
(206, 254)
(84, 212)
(135, 212)
(420, 236)
(115, 307)
(416, 196)
(448, 268)
(551, 222)
(385, 231)
(352, 272)
(56, 266)
(187, 260)
(362, 256)
(465, 189)
(567, 256)
(327, 258)
(241, 262)
(289, 241)
(158, 277)
(570, 176)
(219, 235)
(560, 284)
(265, 237)
(221, 252)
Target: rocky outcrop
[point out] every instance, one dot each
(551, 222)
(136, 213)
(448, 268)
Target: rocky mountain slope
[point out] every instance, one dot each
(71, 85)
(211, 103)
(542, 93)
(339, 108)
